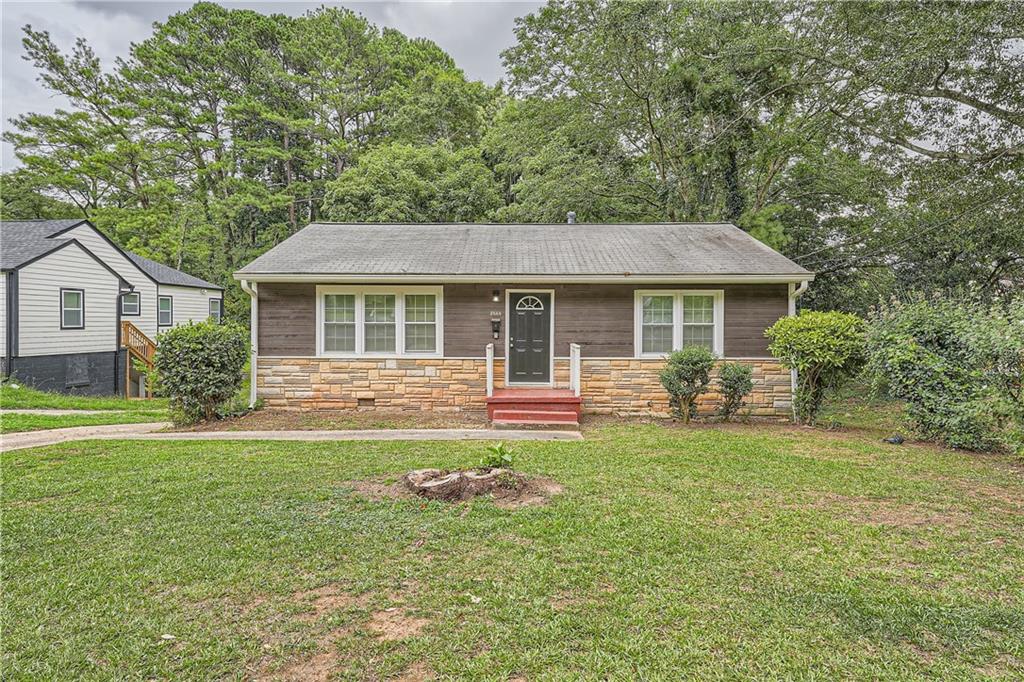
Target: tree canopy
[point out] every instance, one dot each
(878, 144)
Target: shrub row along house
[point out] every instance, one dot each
(534, 323)
(75, 308)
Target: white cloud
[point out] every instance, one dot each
(473, 33)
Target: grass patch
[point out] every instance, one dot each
(24, 397)
(710, 552)
(855, 408)
(12, 423)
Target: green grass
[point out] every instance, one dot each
(11, 423)
(710, 552)
(855, 408)
(24, 397)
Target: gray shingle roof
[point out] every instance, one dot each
(23, 240)
(168, 275)
(671, 249)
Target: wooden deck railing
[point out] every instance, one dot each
(140, 347)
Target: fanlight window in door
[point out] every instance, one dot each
(530, 303)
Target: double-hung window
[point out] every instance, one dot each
(165, 311)
(72, 309)
(668, 320)
(420, 323)
(379, 321)
(131, 304)
(214, 308)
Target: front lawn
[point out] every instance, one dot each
(11, 423)
(712, 552)
(16, 396)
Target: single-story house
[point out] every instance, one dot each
(521, 320)
(74, 306)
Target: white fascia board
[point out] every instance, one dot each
(525, 279)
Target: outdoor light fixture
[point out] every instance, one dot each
(495, 295)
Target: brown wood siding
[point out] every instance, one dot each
(287, 315)
(597, 316)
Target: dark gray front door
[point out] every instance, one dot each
(529, 338)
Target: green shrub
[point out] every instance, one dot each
(686, 375)
(736, 381)
(998, 341)
(825, 348)
(498, 456)
(928, 352)
(200, 367)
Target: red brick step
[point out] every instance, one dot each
(536, 416)
(541, 406)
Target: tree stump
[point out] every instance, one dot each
(435, 484)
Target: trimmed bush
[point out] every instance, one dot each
(825, 348)
(200, 367)
(686, 376)
(736, 381)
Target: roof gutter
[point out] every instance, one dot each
(338, 278)
(251, 288)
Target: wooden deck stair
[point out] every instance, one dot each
(140, 347)
(534, 407)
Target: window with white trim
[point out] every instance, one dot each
(657, 325)
(131, 304)
(379, 318)
(215, 310)
(340, 323)
(379, 321)
(72, 309)
(165, 311)
(699, 321)
(420, 323)
(668, 320)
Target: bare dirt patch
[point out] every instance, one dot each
(324, 420)
(511, 493)
(417, 672)
(882, 512)
(323, 600)
(316, 668)
(394, 624)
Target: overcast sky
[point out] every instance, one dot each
(473, 33)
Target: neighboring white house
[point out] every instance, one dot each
(64, 290)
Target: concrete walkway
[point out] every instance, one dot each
(52, 412)
(31, 439)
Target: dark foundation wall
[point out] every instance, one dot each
(597, 316)
(74, 373)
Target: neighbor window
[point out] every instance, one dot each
(379, 320)
(72, 309)
(131, 304)
(215, 310)
(670, 320)
(165, 311)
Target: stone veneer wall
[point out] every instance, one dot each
(617, 386)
